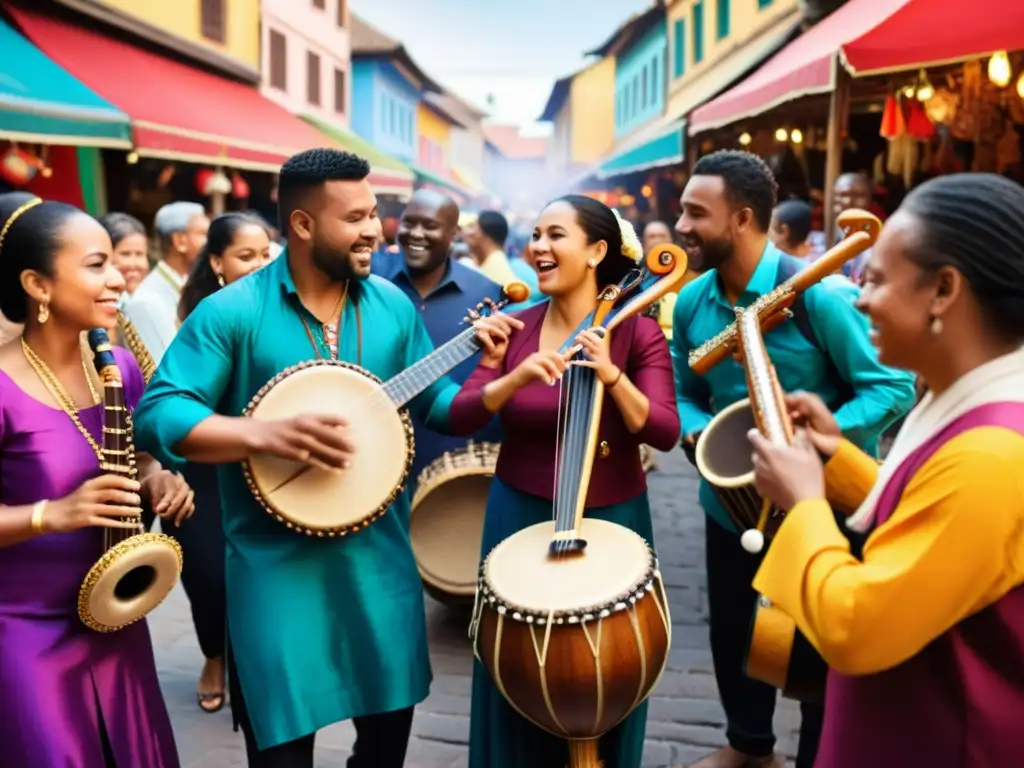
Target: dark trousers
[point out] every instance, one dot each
(203, 545)
(749, 704)
(381, 740)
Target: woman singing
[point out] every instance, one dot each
(577, 248)
(69, 695)
(236, 245)
(925, 635)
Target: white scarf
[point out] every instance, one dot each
(997, 381)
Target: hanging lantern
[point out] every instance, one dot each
(213, 182)
(239, 187)
(925, 90)
(18, 167)
(999, 71)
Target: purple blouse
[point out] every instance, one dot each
(58, 678)
(529, 419)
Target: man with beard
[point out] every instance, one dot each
(442, 290)
(153, 308)
(320, 629)
(825, 348)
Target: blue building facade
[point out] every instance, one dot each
(641, 72)
(384, 107)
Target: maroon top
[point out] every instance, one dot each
(529, 419)
(959, 703)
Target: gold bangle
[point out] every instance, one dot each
(37, 517)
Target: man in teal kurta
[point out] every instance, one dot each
(321, 629)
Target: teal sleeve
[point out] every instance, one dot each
(189, 382)
(881, 394)
(693, 397)
(432, 405)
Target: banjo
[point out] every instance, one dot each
(317, 502)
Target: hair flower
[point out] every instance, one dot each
(631, 247)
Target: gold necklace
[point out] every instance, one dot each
(57, 391)
(331, 330)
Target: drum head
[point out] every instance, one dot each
(522, 575)
(446, 526)
(131, 580)
(723, 453)
(312, 499)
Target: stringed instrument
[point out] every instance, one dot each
(572, 619)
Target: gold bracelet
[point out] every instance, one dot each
(37, 517)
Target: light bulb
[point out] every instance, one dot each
(908, 92)
(1020, 85)
(925, 92)
(796, 136)
(781, 135)
(745, 139)
(999, 69)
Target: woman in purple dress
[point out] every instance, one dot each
(69, 696)
(578, 246)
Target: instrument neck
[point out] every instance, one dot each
(417, 377)
(117, 448)
(580, 411)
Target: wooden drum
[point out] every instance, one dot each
(447, 521)
(574, 643)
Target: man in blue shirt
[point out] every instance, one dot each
(726, 214)
(443, 291)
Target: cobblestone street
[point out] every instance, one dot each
(685, 720)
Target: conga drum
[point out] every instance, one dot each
(573, 643)
(447, 521)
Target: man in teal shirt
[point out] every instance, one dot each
(320, 629)
(727, 209)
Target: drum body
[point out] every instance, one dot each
(724, 458)
(574, 643)
(320, 503)
(131, 579)
(447, 521)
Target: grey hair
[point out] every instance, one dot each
(174, 217)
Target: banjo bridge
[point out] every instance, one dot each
(566, 543)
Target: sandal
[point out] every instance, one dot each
(211, 702)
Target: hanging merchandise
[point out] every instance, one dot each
(18, 166)
(892, 119)
(918, 124)
(239, 186)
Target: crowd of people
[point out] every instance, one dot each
(904, 575)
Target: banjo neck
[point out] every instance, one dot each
(417, 377)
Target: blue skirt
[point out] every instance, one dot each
(498, 736)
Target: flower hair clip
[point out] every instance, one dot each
(631, 247)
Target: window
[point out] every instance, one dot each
(679, 48)
(278, 61)
(655, 66)
(211, 20)
(635, 107)
(341, 13)
(722, 20)
(643, 93)
(321, 4)
(339, 91)
(698, 32)
(393, 128)
(763, 3)
(313, 78)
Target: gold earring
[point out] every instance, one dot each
(936, 326)
(44, 312)
(220, 280)
(591, 263)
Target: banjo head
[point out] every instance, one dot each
(616, 569)
(311, 500)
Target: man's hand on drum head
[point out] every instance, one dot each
(319, 440)
(493, 332)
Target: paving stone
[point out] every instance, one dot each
(685, 719)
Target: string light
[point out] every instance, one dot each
(999, 71)
(745, 139)
(782, 135)
(796, 136)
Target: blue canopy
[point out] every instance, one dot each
(41, 102)
(660, 145)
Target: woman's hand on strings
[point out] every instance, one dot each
(101, 501)
(493, 332)
(810, 412)
(546, 365)
(787, 474)
(319, 440)
(599, 357)
(169, 495)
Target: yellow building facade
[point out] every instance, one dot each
(713, 42)
(228, 27)
(592, 112)
(434, 132)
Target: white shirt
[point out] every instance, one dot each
(153, 309)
